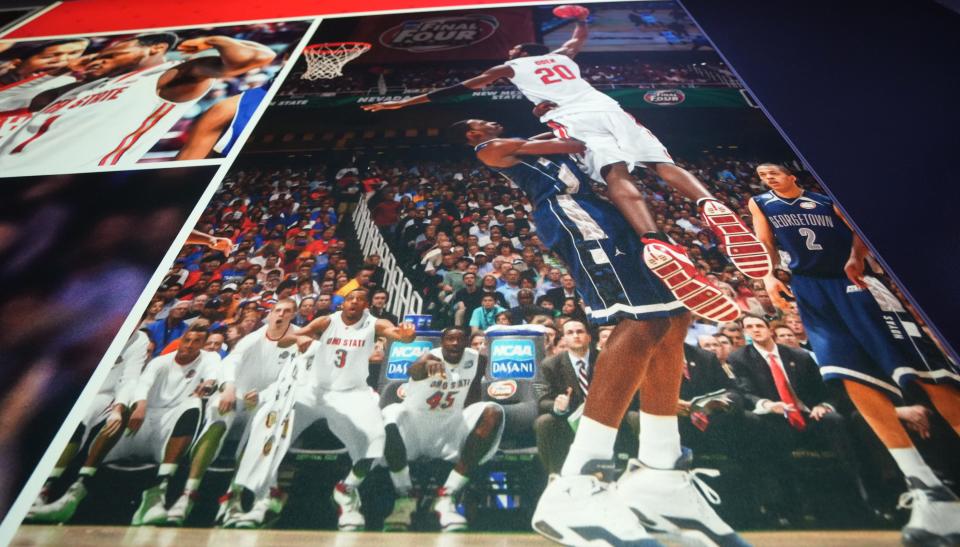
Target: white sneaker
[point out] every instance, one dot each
(180, 510)
(677, 502)
(265, 511)
(348, 507)
(230, 510)
(42, 499)
(582, 510)
(401, 517)
(62, 509)
(152, 510)
(446, 509)
(934, 515)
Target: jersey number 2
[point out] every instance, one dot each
(811, 239)
(340, 358)
(554, 74)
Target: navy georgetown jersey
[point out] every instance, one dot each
(544, 177)
(808, 228)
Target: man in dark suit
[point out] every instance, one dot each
(567, 289)
(787, 399)
(566, 380)
(719, 423)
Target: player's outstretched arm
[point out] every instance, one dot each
(189, 79)
(404, 332)
(504, 152)
(222, 244)
(477, 82)
(314, 328)
(572, 47)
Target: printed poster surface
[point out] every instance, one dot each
(621, 259)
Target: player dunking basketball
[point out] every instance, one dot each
(129, 98)
(852, 339)
(644, 352)
(615, 143)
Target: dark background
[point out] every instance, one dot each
(867, 93)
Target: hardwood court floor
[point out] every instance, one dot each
(96, 536)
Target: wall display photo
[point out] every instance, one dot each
(536, 272)
(84, 103)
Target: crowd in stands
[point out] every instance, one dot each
(424, 77)
(464, 236)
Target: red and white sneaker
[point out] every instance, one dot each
(742, 246)
(672, 265)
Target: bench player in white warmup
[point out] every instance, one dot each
(440, 417)
(248, 376)
(163, 421)
(47, 65)
(129, 97)
(105, 419)
(615, 144)
(337, 350)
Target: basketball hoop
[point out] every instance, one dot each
(325, 61)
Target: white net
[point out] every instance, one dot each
(325, 61)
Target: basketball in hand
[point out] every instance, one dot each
(570, 11)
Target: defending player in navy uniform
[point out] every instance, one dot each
(615, 141)
(643, 353)
(855, 342)
(441, 416)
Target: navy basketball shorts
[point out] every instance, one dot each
(856, 340)
(605, 258)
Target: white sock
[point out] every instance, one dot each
(352, 481)
(911, 464)
(192, 485)
(167, 469)
(455, 482)
(57, 472)
(593, 441)
(401, 481)
(659, 441)
(88, 471)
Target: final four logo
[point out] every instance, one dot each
(664, 97)
(439, 33)
(512, 359)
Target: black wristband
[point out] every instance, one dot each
(451, 91)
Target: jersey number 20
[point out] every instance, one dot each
(554, 74)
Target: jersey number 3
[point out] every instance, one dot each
(554, 74)
(340, 358)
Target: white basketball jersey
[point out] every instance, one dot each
(556, 78)
(165, 383)
(443, 397)
(255, 362)
(122, 379)
(342, 358)
(107, 122)
(15, 99)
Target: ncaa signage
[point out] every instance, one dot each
(403, 355)
(512, 359)
(439, 33)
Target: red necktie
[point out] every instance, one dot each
(786, 395)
